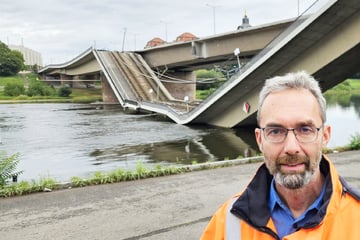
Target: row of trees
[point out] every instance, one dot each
(11, 61)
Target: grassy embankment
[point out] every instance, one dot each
(83, 95)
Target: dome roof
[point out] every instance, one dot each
(186, 36)
(156, 41)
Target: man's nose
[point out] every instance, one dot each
(291, 144)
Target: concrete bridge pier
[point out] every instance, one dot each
(77, 83)
(66, 79)
(183, 84)
(108, 94)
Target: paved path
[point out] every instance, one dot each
(174, 207)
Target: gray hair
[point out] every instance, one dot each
(298, 80)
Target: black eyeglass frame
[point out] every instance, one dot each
(294, 131)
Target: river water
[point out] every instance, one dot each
(64, 140)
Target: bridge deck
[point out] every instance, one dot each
(135, 84)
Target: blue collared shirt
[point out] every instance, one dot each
(282, 217)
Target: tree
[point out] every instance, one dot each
(11, 61)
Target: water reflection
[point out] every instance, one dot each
(355, 100)
(343, 114)
(345, 101)
(212, 144)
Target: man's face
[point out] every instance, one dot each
(291, 162)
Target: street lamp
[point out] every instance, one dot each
(166, 35)
(213, 7)
(135, 34)
(298, 7)
(123, 43)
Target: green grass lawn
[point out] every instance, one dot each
(12, 79)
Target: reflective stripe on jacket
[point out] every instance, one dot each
(247, 215)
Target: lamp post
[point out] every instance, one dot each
(213, 7)
(123, 43)
(166, 35)
(298, 7)
(135, 34)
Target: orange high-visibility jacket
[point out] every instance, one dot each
(247, 215)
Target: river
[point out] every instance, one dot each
(64, 140)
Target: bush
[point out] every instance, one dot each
(64, 91)
(14, 89)
(211, 78)
(37, 88)
(355, 142)
(8, 166)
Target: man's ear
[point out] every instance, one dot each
(326, 135)
(258, 138)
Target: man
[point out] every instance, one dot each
(296, 193)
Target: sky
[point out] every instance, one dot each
(62, 29)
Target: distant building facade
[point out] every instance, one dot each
(31, 57)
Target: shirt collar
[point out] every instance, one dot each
(274, 199)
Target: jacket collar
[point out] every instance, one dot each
(252, 205)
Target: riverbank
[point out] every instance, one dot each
(80, 95)
(172, 207)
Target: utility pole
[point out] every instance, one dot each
(166, 33)
(214, 21)
(123, 43)
(135, 41)
(298, 7)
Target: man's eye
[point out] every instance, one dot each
(305, 129)
(275, 131)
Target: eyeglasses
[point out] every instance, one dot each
(304, 134)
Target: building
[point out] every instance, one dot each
(245, 23)
(186, 37)
(31, 57)
(155, 42)
(181, 38)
